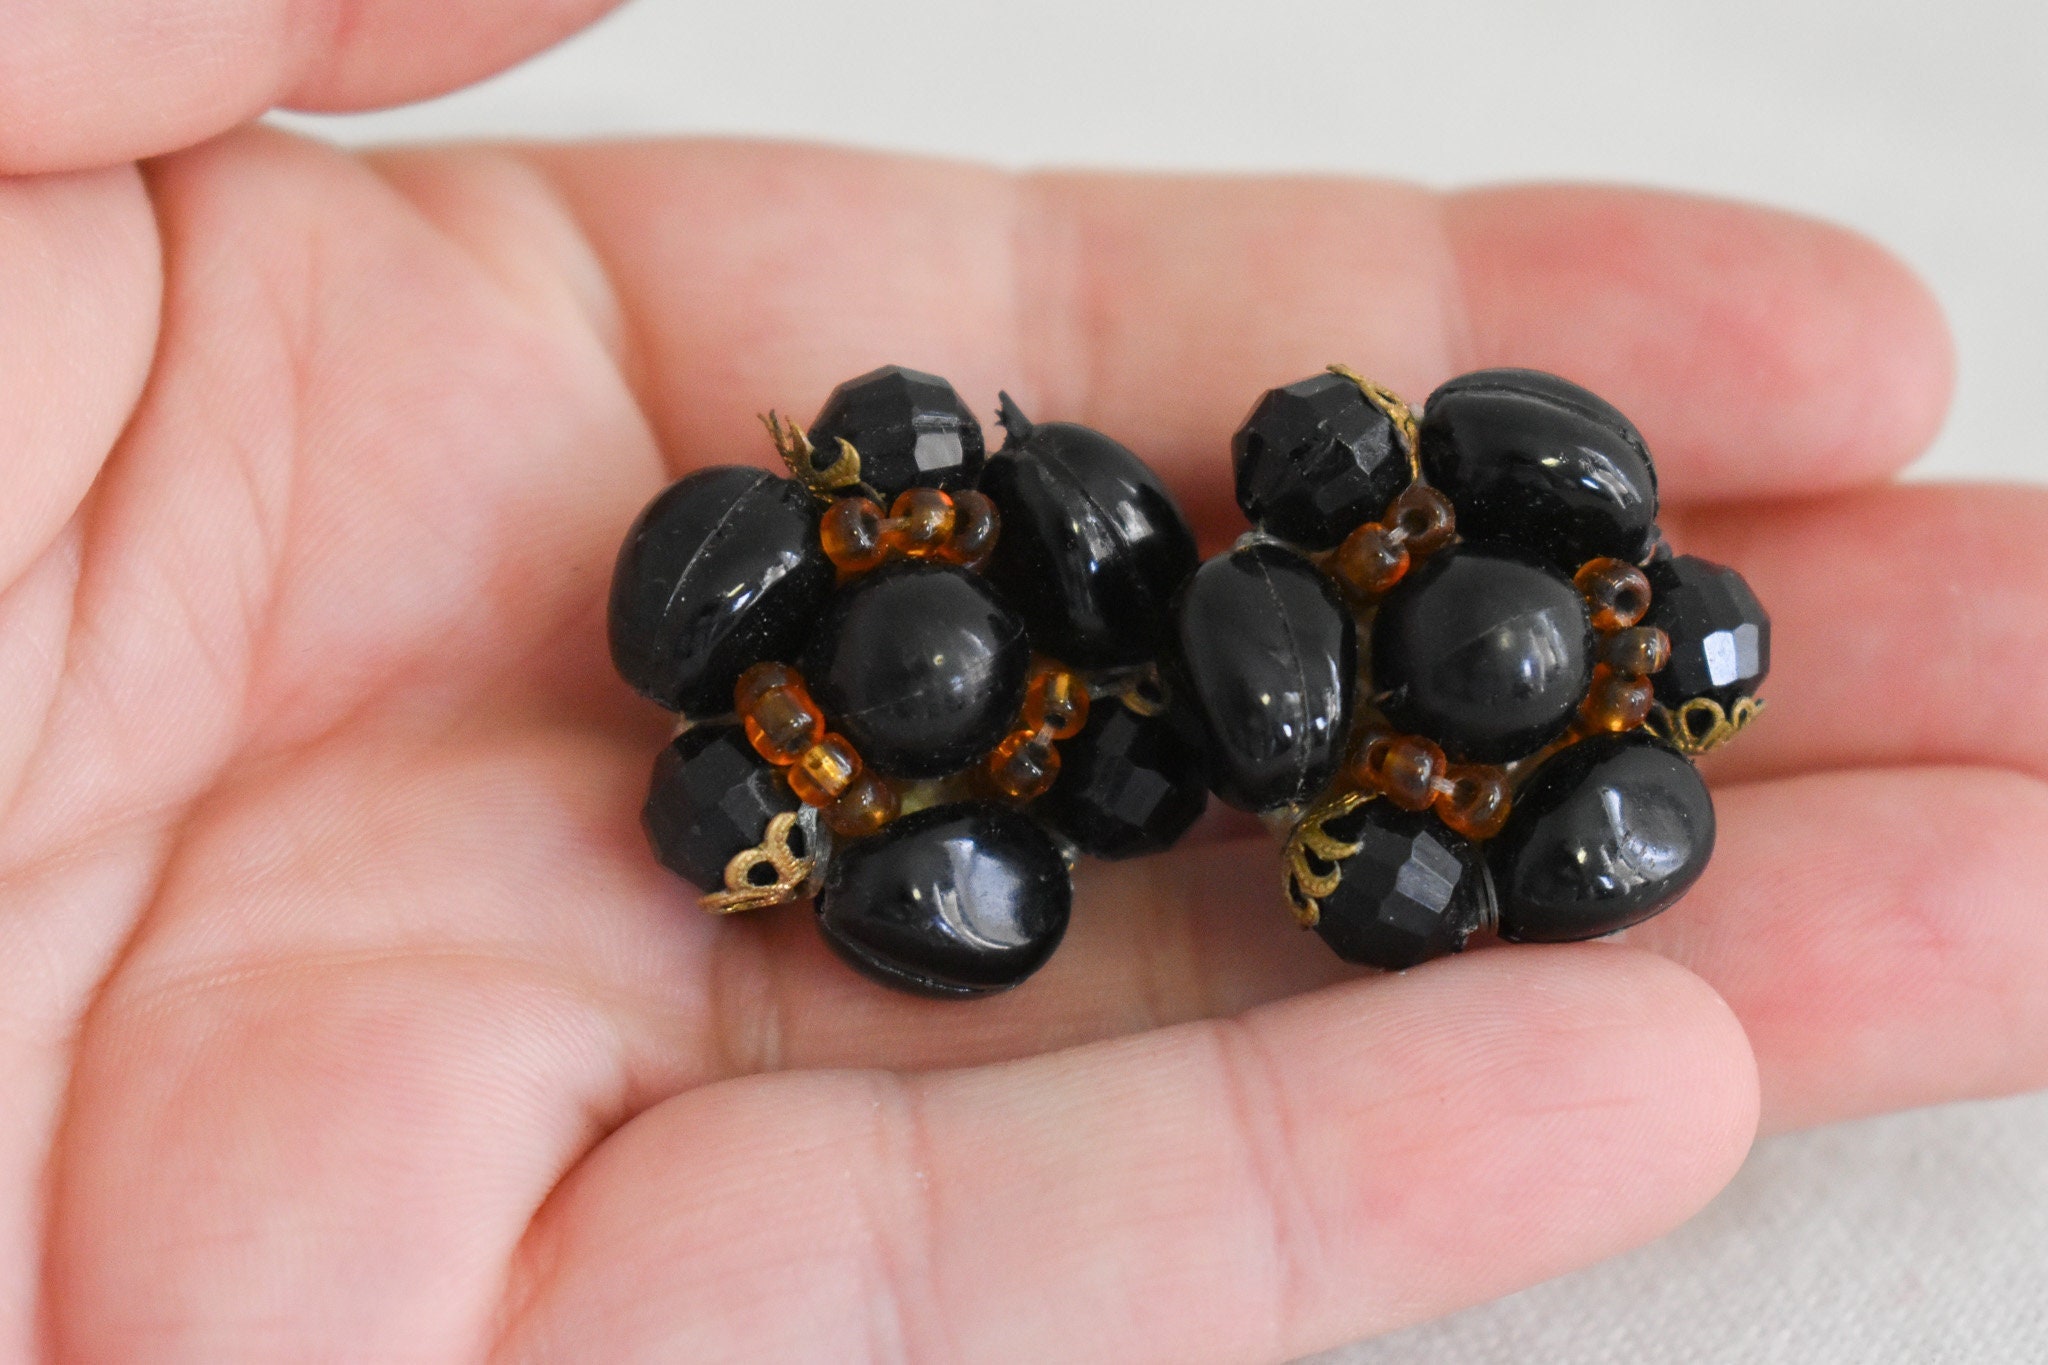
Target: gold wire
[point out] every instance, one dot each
(1398, 412)
(792, 870)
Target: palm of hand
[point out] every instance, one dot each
(351, 1020)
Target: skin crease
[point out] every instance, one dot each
(343, 1015)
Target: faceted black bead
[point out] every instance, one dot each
(1315, 460)
(1092, 546)
(721, 571)
(1128, 785)
(712, 798)
(920, 665)
(1607, 833)
(1720, 634)
(956, 900)
(1538, 462)
(1413, 891)
(911, 429)
(1265, 655)
(1484, 650)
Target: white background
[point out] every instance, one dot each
(1919, 1238)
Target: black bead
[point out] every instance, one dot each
(1265, 655)
(1315, 460)
(920, 665)
(1128, 785)
(1538, 462)
(1414, 890)
(956, 900)
(911, 429)
(1092, 546)
(1484, 650)
(1720, 634)
(721, 571)
(712, 798)
(1604, 835)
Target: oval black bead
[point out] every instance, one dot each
(1604, 835)
(1720, 634)
(1538, 462)
(1128, 785)
(1265, 656)
(721, 571)
(956, 900)
(1484, 650)
(1092, 546)
(1315, 460)
(911, 429)
(711, 798)
(1415, 890)
(920, 665)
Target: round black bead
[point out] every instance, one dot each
(956, 900)
(1265, 656)
(721, 571)
(712, 798)
(1540, 463)
(911, 429)
(920, 665)
(1484, 650)
(1604, 835)
(1414, 890)
(1720, 634)
(1092, 546)
(1128, 785)
(1315, 461)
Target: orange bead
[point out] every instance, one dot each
(1614, 703)
(1473, 800)
(975, 527)
(1370, 560)
(919, 523)
(1616, 592)
(783, 723)
(826, 769)
(1023, 765)
(851, 532)
(1055, 698)
(762, 677)
(1637, 652)
(867, 804)
(1405, 769)
(1424, 518)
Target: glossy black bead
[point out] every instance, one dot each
(1128, 784)
(920, 665)
(1315, 460)
(1538, 462)
(1264, 659)
(1484, 650)
(1607, 833)
(711, 798)
(721, 571)
(911, 429)
(1720, 634)
(1414, 890)
(1092, 546)
(956, 900)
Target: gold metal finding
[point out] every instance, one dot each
(742, 892)
(1389, 402)
(1311, 843)
(1701, 724)
(794, 446)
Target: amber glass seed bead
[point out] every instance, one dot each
(826, 769)
(1424, 518)
(760, 679)
(851, 532)
(1637, 652)
(1406, 769)
(1616, 592)
(783, 724)
(1473, 800)
(1614, 703)
(1370, 560)
(1023, 766)
(919, 522)
(975, 526)
(867, 804)
(1057, 699)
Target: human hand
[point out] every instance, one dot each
(348, 1017)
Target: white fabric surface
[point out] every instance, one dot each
(1919, 1238)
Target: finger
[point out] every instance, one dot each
(1761, 352)
(94, 82)
(1333, 1166)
